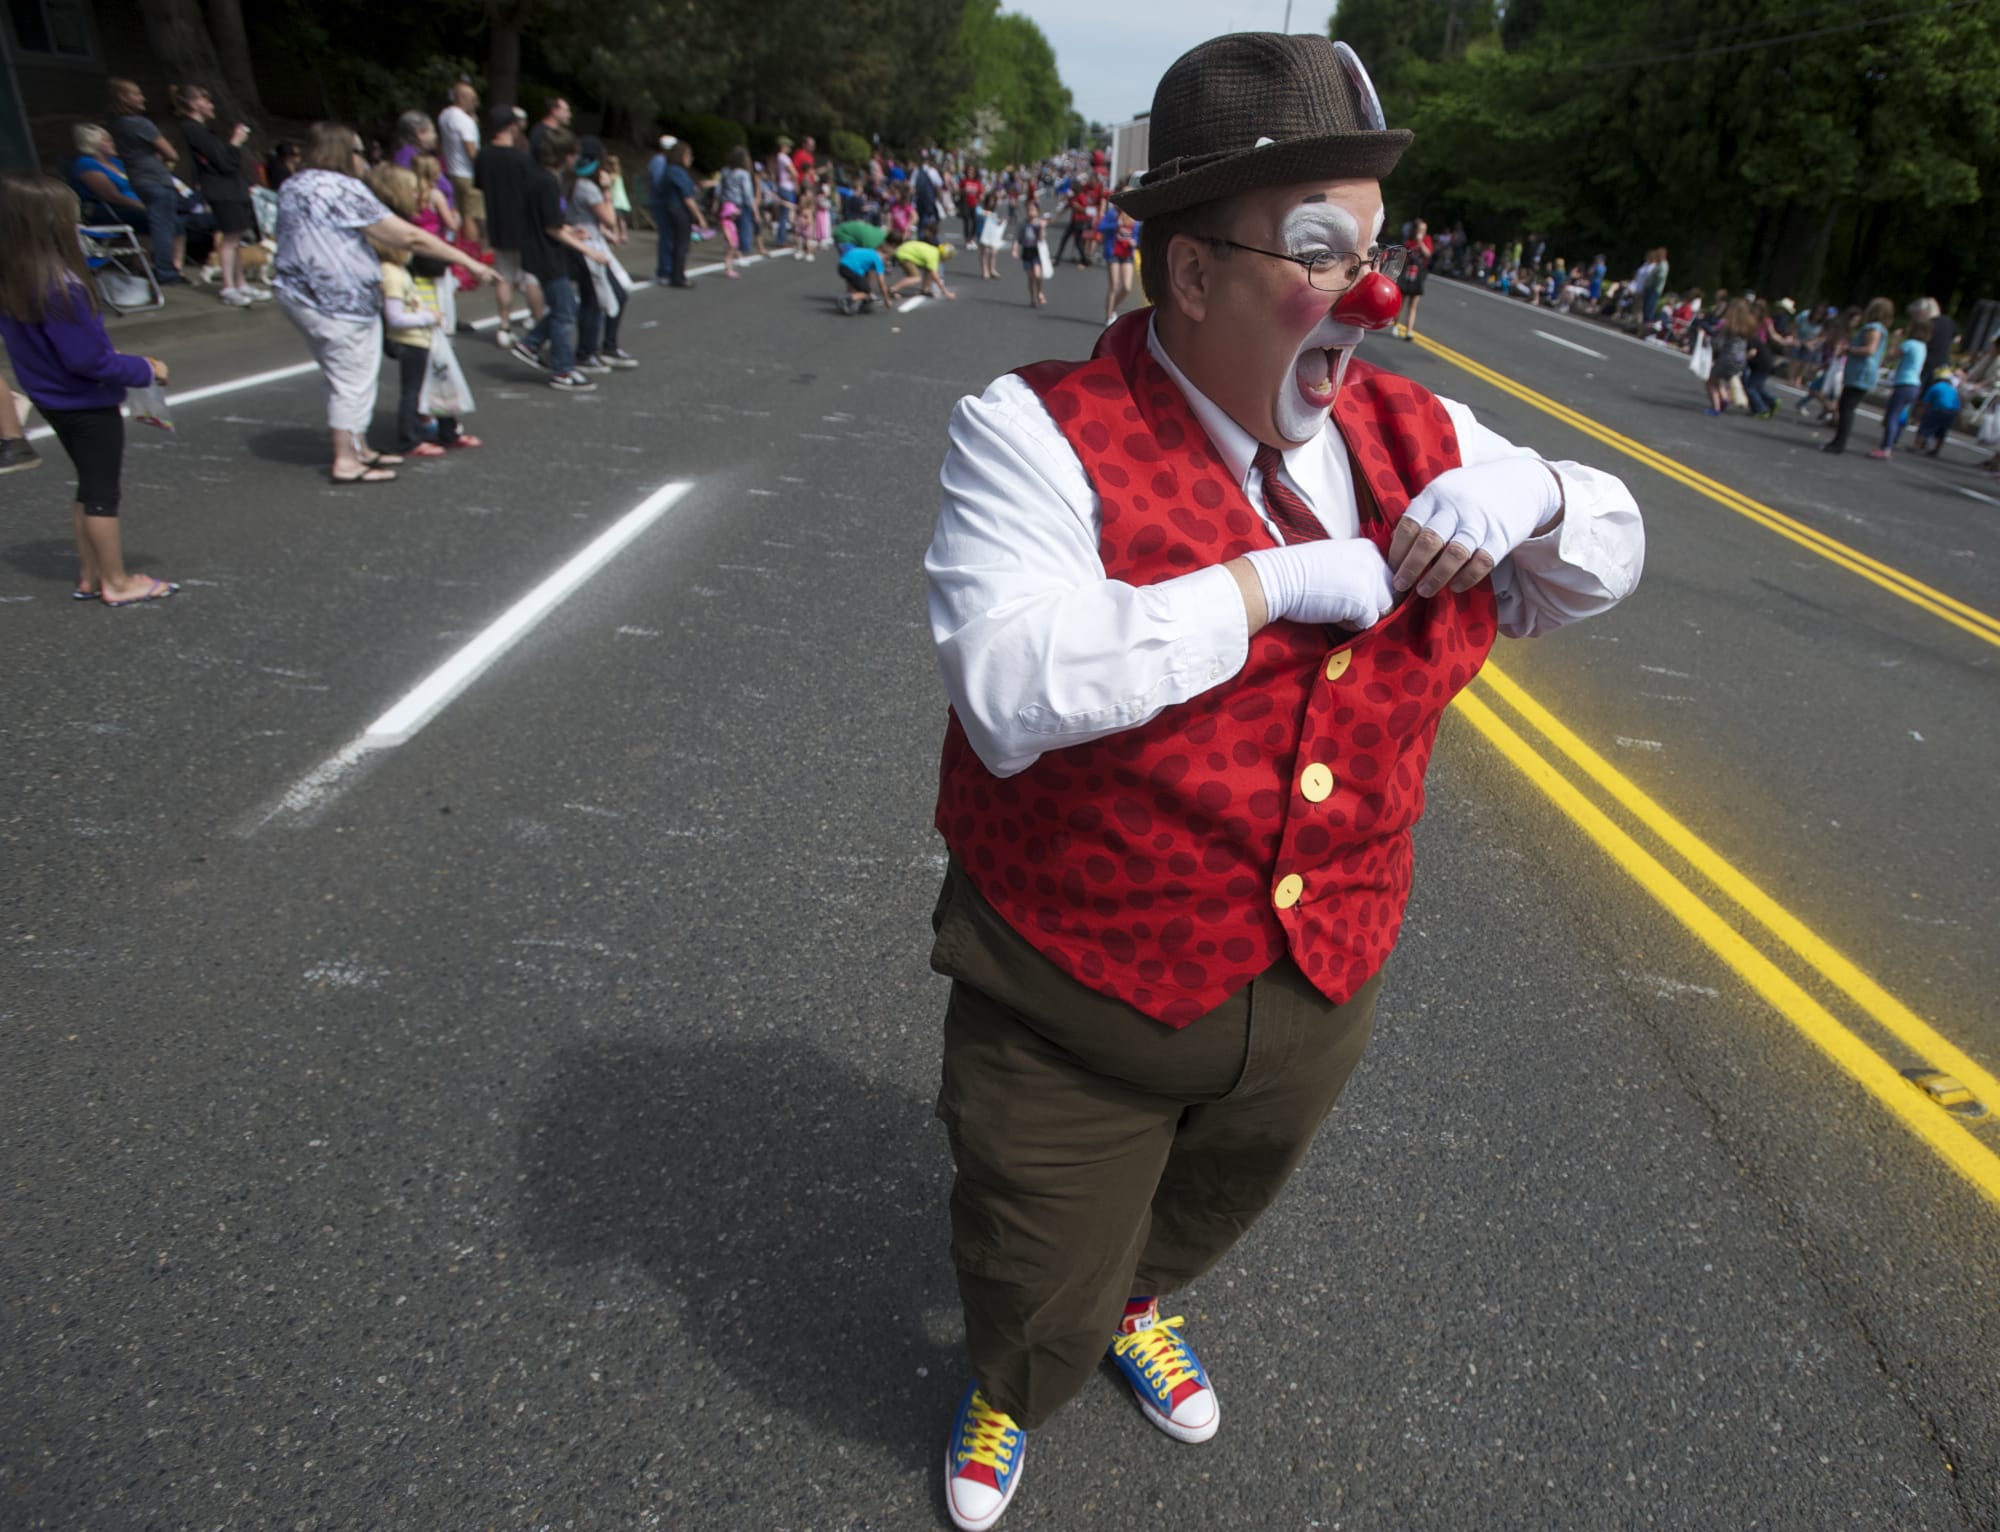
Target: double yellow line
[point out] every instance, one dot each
(1722, 934)
(1968, 618)
(1943, 1132)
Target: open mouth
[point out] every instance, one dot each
(1315, 372)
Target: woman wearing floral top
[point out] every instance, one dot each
(329, 283)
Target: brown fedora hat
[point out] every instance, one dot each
(1261, 109)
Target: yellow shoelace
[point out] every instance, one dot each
(989, 1437)
(1162, 1356)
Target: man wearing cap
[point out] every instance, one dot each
(1199, 603)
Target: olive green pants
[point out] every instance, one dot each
(1102, 1154)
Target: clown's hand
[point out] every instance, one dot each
(1469, 519)
(1332, 580)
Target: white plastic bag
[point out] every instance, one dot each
(149, 406)
(1702, 361)
(445, 391)
(1042, 255)
(1989, 422)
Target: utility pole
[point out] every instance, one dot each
(1288, 15)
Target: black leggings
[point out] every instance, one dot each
(1850, 401)
(411, 364)
(95, 442)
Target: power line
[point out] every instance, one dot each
(1773, 42)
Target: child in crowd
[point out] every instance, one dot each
(923, 265)
(1941, 404)
(612, 179)
(1028, 249)
(66, 363)
(1121, 243)
(902, 214)
(411, 317)
(806, 228)
(435, 213)
(992, 236)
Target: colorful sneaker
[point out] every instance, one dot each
(523, 352)
(572, 382)
(1170, 1385)
(982, 1465)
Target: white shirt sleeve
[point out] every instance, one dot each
(1039, 649)
(1586, 565)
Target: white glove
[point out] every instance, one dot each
(1331, 580)
(1489, 508)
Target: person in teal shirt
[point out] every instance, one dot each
(1904, 385)
(1863, 366)
(1942, 402)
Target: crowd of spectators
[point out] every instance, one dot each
(1743, 344)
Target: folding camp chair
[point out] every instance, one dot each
(121, 267)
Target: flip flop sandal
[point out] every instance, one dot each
(368, 475)
(463, 441)
(379, 460)
(83, 595)
(160, 591)
(426, 449)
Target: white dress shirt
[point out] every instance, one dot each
(1040, 650)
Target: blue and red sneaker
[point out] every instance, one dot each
(1169, 1383)
(982, 1464)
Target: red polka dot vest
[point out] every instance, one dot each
(1168, 865)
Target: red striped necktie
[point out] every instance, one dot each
(1288, 507)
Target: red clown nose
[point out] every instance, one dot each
(1370, 304)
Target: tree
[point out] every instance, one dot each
(1793, 151)
(1010, 79)
(178, 34)
(232, 49)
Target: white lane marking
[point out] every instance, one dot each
(912, 303)
(1558, 340)
(1626, 742)
(435, 692)
(1975, 494)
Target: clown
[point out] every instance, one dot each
(1199, 603)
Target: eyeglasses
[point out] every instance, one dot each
(1333, 273)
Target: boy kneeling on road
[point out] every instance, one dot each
(866, 278)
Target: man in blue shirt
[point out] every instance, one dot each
(675, 211)
(866, 277)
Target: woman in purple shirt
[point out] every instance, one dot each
(67, 364)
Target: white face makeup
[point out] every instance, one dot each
(1306, 394)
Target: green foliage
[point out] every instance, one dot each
(1834, 164)
(912, 71)
(846, 147)
(711, 138)
(1013, 102)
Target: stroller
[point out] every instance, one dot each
(121, 268)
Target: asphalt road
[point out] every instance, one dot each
(530, 1126)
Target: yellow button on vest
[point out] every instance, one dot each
(1290, 886)
(1336, 664)
(1316, 782)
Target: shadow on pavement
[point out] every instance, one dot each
(301, 446)
(796, 1206)
(49, 558)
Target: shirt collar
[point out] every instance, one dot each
(1236, 446)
